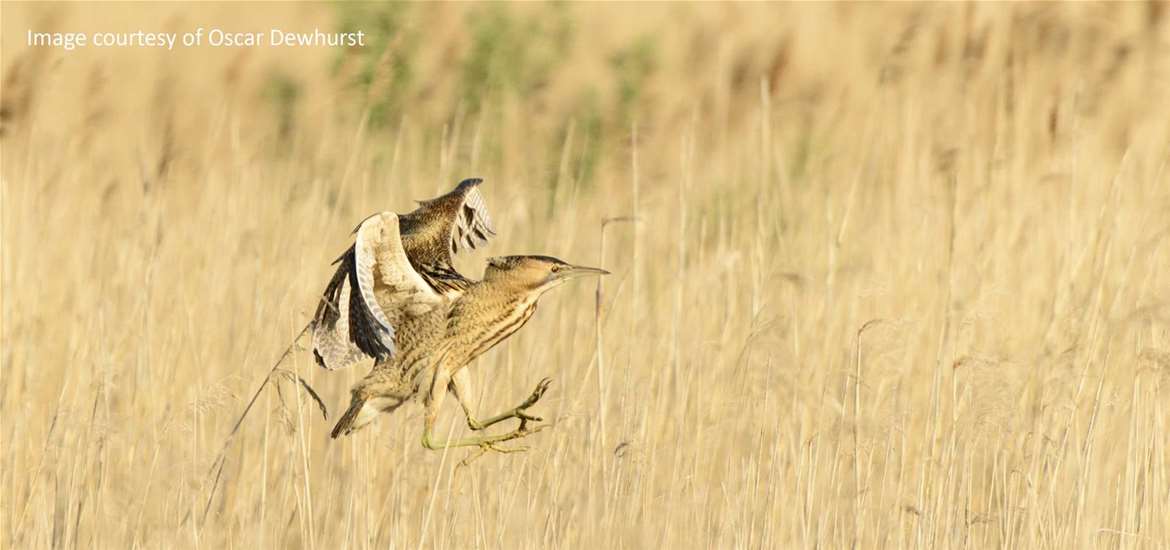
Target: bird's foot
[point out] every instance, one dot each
(477, 425)
(537, 393)
(518, 411)
(486, 448)
(489, 441)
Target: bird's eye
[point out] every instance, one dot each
(556, 268)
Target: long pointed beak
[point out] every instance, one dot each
(576, 271)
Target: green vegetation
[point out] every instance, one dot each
(382, 73)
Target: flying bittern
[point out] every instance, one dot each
(421, 320)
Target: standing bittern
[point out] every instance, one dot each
(421, 320)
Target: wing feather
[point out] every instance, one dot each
(440, 228)
(371, 329)
(375, 288)
(472, 224)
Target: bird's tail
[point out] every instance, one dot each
(362, 411)
(346, 424)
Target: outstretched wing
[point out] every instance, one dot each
(373, 290)
(332, 346)
(442, 227)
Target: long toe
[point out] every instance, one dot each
(525, 416)
(536, 394)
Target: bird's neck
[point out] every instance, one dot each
(488, 314)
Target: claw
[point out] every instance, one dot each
(525, 416)
(507, 450)
(537, 393)
(524, 430)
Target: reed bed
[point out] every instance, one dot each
(885, 276)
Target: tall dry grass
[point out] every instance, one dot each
(900, 277)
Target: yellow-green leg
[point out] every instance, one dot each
(439, 387)
(461, 387)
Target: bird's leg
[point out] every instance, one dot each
(439, 391)
(487, 442)
(461, 387)
(518, 411)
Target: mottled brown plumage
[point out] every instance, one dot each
(442, 227)
(444, 340)
(397, 298)
(346, 328)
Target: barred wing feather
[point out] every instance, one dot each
(472, 226)
(443, 227)
(373, 290)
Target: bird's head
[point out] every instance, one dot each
(537, 273)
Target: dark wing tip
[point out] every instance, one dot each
(364, 329)
(469, 182)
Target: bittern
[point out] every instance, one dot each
(421, 320)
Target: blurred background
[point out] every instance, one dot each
(899, 274)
